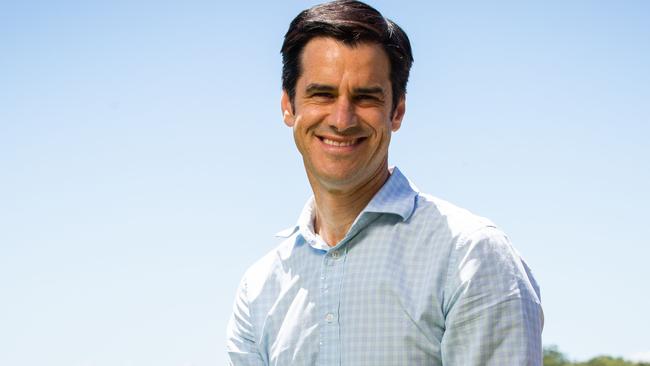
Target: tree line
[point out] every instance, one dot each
(553, 357)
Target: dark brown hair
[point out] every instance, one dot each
(351, 22)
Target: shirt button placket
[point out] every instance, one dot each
(330, 296)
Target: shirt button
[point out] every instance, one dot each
(329, 317)
(335, 254)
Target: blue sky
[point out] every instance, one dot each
(144, 164)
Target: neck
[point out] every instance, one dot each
(337, 208)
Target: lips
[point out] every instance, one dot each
(343, 143)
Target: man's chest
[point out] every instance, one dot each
(359, 305)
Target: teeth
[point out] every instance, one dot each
(338, 143)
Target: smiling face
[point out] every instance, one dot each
(343, 116)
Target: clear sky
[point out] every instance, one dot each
(144, 164)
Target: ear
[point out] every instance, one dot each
(398, 114)
(287, 110)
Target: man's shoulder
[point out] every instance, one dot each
(267, 266)
(476, 239)
(436, 214)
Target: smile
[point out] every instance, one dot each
(339, 143)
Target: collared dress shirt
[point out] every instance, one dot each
(416, 281)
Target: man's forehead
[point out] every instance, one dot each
(336, 47)
(330, 58)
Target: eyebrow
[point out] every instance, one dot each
(370, 90)
(315, 87)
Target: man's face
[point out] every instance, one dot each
(342, 121)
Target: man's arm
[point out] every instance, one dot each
(493, 309)
(241, 346)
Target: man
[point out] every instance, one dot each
(374, 272)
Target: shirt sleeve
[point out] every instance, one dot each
(240, 345)
(492, 305)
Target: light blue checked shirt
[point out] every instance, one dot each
(416, 281)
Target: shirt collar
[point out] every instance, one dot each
(396, 196)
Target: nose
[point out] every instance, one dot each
(343, 117)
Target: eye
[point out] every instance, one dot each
(367, 98)
(322, 95)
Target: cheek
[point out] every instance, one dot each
(377, 118)
(297, 136)
(311, 116)
(383, 133)
(305, 119)
(301, 137)
(383, 141)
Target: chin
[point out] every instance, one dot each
(337, 177)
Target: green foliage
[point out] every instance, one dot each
(553, 357)
(606, 361)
